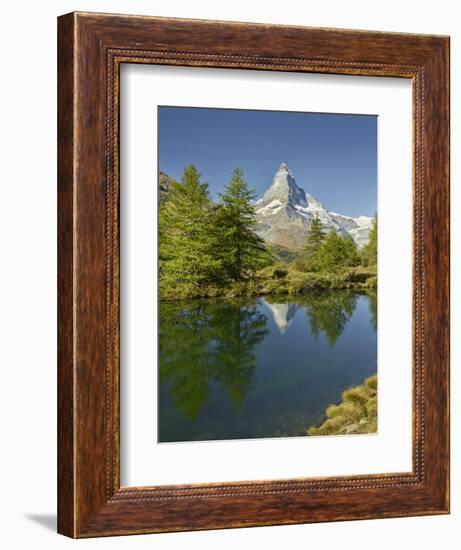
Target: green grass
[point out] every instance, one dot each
(356, 414)
(285, 278)
(279, 278)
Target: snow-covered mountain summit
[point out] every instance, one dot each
(284, 189)
(285, 213)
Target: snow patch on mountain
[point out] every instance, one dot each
(271, 208)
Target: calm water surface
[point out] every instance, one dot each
(260, 367)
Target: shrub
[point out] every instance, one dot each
(280, 273)
(358, 275)
(300, 282)
(372, 282)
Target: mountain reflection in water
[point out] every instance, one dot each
(283, 314)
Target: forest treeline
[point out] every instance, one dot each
(210, 248)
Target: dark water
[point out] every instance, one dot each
(260, 367)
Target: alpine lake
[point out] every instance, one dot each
(261, 366)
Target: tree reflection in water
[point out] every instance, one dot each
(327, 312)
(373, 306)
(205, 341)
(330, 312)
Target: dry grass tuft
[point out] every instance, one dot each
(356, 414)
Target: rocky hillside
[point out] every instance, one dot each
(164, 185)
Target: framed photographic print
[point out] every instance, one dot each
(253, 275)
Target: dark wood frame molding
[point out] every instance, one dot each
(91, 48)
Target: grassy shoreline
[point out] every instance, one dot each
(356, 414)
(277, 279)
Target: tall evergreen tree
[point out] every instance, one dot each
(369, 253)
(242, 251)
(337, 251)
(314, 241)
(187, 240)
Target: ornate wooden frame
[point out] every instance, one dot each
(91, 48)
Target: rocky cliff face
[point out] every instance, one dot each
(285, 213)
(164, 185)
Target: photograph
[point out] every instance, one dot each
(267, 274)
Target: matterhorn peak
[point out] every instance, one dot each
(284, 171)
(284, 190)
(284, 168)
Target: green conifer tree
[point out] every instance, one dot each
(242, 251)
(187, 240)
(337, 252)
(369, 253)
(313, 243)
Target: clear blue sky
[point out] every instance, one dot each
(332, 157)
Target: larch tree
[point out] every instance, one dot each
(242, 251)
(314, 241)
(187, 239)
(369, 252)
